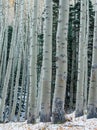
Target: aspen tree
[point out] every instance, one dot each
(80, 79)
(58, 113)
(47, 63)
(41, 73)
(92, 99)
(86, 56)
(33, 65)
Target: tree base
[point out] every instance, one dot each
(31, 120)
(45, 117)
(58, 117)
(92, 112)
(58, 114)
(79, 113)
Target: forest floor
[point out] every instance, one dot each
(71, 124)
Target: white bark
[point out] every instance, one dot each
(39, 97)
(47, 63)
(61, 63)
(33, 64)
(86, 56)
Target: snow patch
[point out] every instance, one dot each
(80, 123)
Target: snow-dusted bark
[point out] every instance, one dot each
(33, 64)
(80, 79)
(58, 114)
(92, 99)
(47, 63)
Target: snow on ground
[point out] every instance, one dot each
(74, 124)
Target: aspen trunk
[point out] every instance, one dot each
(58, 113)
(47, 63)
(92, 99)
(33, 65)
(86, 56)
(80, 79)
